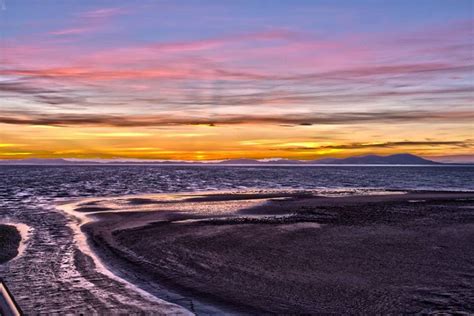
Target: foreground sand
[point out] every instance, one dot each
(287, 252)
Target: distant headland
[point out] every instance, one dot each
(396, 159)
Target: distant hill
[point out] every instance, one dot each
(398, 159)
(255, 161)
(37, 161)
(239, 162)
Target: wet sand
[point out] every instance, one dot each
(10, 240)
(292, 252)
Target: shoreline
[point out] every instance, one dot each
(83, 243)
(111, 261)
(107, 234)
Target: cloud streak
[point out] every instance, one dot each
(468, 143)
(89, 22)
(345, 118)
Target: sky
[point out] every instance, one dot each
(211, 80)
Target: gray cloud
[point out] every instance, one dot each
(349, 118)
(467, 143)
(22, 87)
(33, 90)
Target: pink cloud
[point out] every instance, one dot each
(273, 68)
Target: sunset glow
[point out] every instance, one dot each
(199, 80)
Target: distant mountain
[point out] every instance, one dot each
(398, 159)
(324, 161)
(60, 161)
(37, 161)
(260, 162)
(239, 162)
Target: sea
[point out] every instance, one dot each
(22, 183)
(49, 268)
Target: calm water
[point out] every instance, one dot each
(23, 182)
(51, 265)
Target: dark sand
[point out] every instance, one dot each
(297, 253)
(10, 239)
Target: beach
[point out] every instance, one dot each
(290, 251)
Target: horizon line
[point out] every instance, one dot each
(268, 160)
